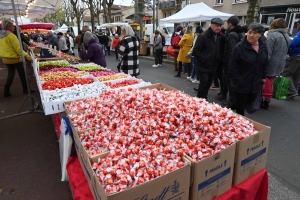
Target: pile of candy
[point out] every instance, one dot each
(121, 83)
(60, 69)
(147, 132)
(65, 82)
(60, 75)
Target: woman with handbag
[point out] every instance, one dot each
(277, 44)
(129, 52)
(185, 45)
(247, 67)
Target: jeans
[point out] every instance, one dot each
(116, 51)
(194, 70)
(241, 99)
(158, 56)
(11, 68)
(175, 59)
(292, 70)
(107, 48)
(206, 80)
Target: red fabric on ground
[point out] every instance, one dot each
(57, 122)
(254, 188)
(78, 182)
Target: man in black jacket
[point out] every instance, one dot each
(207, 53)
(233, 36)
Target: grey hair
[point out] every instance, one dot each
(6, 23)
(88, 29)
(258, 28)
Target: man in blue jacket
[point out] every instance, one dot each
(292, 68)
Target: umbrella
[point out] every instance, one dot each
(37, 25)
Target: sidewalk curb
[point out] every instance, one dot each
(152, 58)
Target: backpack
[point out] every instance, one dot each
(163, 40)
(68, 42)
(175, 40)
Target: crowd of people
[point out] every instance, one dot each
(241, 60)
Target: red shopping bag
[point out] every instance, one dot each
(268, 88)
(170, 51)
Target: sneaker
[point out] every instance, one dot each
(155, 65)
(220, 98)
(189, 78)
(291, 96)
(214, 87)
(159, 65)
(195, 81)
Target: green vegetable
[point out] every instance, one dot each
(58, 63)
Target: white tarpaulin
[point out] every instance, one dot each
(195, 12)
(62, 29)
(36, 10)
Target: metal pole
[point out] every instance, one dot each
(22, 51)
(153, 15)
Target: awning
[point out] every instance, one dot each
(37, 25)
(37, 10)
(147, 17)
(130, 16)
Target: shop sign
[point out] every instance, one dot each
(292, 9)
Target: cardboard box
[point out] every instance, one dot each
(159, 86)
(212, 176)
(251, 153)
(174, 185)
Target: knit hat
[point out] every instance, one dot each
(199, 29)
(6, 22)
(217, 21)
(234, 20)
(88, 36)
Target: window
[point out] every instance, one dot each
(218, 2)
(170, 14)
(117, 19)
(239, 1)
(165, 15)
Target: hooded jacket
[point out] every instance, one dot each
(294, 49)
(278, 43)
(233, 37)
(94, 53)
(10, 50)
(247, 68)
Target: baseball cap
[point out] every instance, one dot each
(217, 21)
(234, 20)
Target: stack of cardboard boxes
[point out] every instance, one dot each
(202, 180)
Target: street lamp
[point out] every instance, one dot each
(81, 12)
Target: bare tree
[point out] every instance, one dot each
(253, 11)
(109, 4)
(76, 10)
(104, 6)
(90, 5)
(97, 7)
(139, 12)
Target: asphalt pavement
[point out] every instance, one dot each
(30, 166)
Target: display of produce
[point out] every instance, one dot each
(151, 126)
(121, 83)
(59, 75)
(65, 83)
(98, 73)
(60, 69)
(60, 63)
(73, 92)
(112, 77)
(88, 67)
(69, 57)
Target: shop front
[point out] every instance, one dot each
(289, 12)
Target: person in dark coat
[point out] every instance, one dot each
(207, 52)
(129, 51)
(233, 36)
(23, 39)
(94, 50)
(247, 67)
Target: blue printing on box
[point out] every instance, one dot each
(94, 189)
(214, 178)
(87, 172)
(253, 157)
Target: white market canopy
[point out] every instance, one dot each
(195, 12)
(62, 29)
(110, 25)
(38, 10)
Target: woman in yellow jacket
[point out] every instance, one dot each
(10, 52)
(185, 44)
